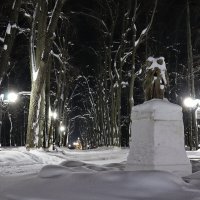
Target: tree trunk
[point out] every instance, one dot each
(132, 81)
(38, 81)
(191, 87)
(136, 44)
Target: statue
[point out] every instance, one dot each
(154, 124)
(156, 78)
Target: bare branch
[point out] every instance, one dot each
(146, 30)
(93, 17)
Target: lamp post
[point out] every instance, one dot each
(62, 133)
(53, 115)
(12, 97)
(6, 99)
(193, 105)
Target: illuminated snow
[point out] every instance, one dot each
(155, 64)
(5, 47)
(8, 30)
(91, 174)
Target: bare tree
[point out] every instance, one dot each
(42, 36)
(136, 42)
(116, 22)
(192, 115)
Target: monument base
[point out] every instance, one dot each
(158, 138)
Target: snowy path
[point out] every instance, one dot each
(18, 161)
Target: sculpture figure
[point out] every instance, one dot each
(156, 78)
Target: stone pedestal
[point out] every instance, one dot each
(157, 140)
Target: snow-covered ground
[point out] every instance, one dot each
(88, 175)
(19, 161)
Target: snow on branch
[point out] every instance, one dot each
(93, 17)
(32, 54)
(124, 58)
(162, 66)
(146, 30)
(27, 15)
(23, 30)
(13, 6)
(51, 29)
(57, 56)
(78, 117)
(1, 39)
(55, 15)
(5, 47)
(8, 29)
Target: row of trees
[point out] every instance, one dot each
(115, 52)
(93, 98)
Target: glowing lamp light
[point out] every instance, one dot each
(190, 103)
(12, 97)
(75, 143)
(54, 114)
(62, 128)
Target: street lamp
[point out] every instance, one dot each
(62, 139)
(62, 128)
(53, 114)
(12, 97)
(191, 103)
(9, 98)
(194, 105)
